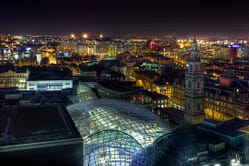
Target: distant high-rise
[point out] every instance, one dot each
(194, 88)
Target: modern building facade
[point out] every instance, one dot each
(49, 85)
(49, 79)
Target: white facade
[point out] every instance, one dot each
(38, 58)
(49, 85)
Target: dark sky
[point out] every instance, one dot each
(125, 17)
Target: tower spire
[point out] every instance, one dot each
(195, 38)
(194, 88)
(194, 50)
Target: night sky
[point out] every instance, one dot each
(126, 17)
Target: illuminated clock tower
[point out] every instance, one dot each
(194, 88)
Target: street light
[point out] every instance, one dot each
(72, 36)
(85, 36)
(217, 164)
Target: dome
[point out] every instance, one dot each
(116, 132)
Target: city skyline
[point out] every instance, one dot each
(130, 18)
(84, 99)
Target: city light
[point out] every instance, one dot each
(118, 84)
(73, 36)
(235, 46)
(28, 49)
(85, 36)
(163, 74)
(235, 162)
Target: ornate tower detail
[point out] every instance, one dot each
(194, 88)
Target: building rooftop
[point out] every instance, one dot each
(12, 90)
(228, 74)
(6, 67)
(229, 128)
(175, 116)
(50, 73)
(154, 95)
(189, 143)
(35, 124)
(245, 129)
(118, 85)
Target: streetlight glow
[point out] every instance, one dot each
(72, 35)
(85, 36)
(217, 164)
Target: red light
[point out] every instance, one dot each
(152, 44)
(135, 98)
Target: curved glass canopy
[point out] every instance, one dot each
(84, 92)
(116, 132)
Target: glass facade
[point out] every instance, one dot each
(116, 132)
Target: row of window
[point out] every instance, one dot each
(190, 85)
(225, 109)
(192, 67)
(49, 84)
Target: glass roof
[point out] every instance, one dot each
(115, 124)
(84, 92)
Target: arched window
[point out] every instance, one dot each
(190, 68)
(198, 107)
(198, 84)
(189, 84)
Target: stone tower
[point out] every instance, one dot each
(194, 88)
